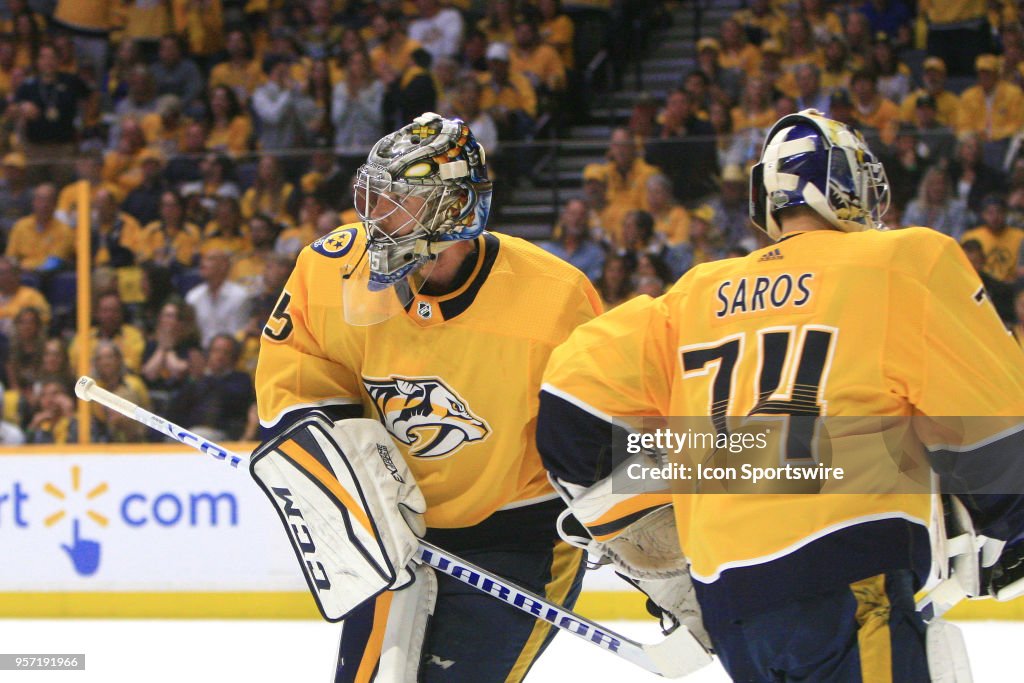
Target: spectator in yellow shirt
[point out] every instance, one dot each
(226, 232)
(15, 296)
(240, 71)
(201, 23)
(170, 241)
(7, 65)
(291, 240)
(761, 21)
(824, 23)
(857, 33)
(872, 109)
(393, 48)
(110, 326)
(247, 270)
(601, 216)
(499, 22)
(671, 220)
(735, 52)
(537, 60)
(800, 46)
(40, 241)
(145, 23)
(122, 166)
(557, 30)
(626, 175)
(507, 95)
(946, 102)
(992, 108)
(54, 421)
(836, 72)
(89, 169)
(271, 194)
(1002, 243)
(772, 70)
(165, 127)
(755, 109)
(111, 373)
(230, 127)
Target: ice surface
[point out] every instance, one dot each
(129, 651)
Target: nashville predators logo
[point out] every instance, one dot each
(425, 415)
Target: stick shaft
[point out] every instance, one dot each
(534, 605)
(648, 657)
(88, 390)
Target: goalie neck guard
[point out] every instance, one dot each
(422, 186)
(813, 161)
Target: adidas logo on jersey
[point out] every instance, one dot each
(773, 255)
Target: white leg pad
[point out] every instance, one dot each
(947, 653)
(406, 631)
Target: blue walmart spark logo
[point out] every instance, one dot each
(84, 552)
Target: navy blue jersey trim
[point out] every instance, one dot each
(989, 480)
(574, 445)
(838, 559)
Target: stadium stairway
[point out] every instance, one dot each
(531, 209)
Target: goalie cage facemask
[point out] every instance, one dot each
(813, 161)
(421, 187)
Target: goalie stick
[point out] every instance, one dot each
(679, 654)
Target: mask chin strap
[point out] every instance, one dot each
(428, 250)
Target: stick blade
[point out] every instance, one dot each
(680, 654)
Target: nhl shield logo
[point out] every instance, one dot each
(425, 414)
(424, 309)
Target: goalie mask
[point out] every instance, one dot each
(422, 188)
(813, 161)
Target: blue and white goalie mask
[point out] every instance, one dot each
(813, 161)
(422, 188)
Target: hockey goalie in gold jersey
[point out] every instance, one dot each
(419, 318)
(840, 320)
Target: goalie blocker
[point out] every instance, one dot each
(349, 504)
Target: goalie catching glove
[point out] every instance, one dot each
(971, 565)
(350, 506)
(635, 532)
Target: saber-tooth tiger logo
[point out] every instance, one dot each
(426, 415)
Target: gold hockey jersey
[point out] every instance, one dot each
(845, 326)
(454, 378)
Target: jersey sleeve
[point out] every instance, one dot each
(968, 363)
(294, 371)
(968, 393)
(616, 365)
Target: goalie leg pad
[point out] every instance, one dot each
(340, 489)
(947, 654)
(383, 639)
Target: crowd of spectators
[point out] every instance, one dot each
(216, 138)
(935, 90)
